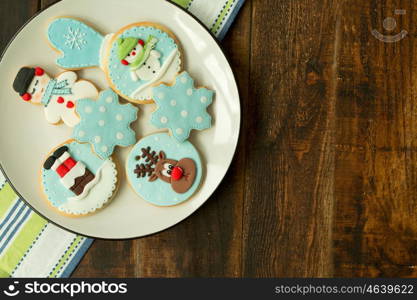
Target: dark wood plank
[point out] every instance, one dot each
(375, 228)
(22, 11)
(108, 259)
(290, 159)
(45, 3)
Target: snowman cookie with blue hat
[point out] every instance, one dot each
(134, 59)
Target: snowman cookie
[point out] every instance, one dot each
(134, 58)
(76, 181)
(58, 95)
(163, 171)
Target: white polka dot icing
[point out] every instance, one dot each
(108, 127)
(187, 109)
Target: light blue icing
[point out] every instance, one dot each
(105, 123)
(78, 42)
(120, 74)
(55, 88)
(182, 107)
(57, 193)
(159, 192)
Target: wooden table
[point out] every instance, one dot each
(324, 180)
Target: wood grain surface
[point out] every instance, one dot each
(324, 179)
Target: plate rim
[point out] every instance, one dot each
(176, 6)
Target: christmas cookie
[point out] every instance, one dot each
(134, 58)
(105, 123)
(182, 107)
(58, 95)
(163, 171)
(76, 181)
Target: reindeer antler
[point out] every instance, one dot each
(149, 156)
(143, 170)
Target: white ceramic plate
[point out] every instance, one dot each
(25, 136)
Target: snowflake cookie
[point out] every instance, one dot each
(105, 123)
(182, 107)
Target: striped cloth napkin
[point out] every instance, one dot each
(30, 246)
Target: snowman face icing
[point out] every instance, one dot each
(151, 67)
(37, 87)
(134, 53)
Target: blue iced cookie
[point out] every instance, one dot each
(135, 58)
(182, 107)
(105, 123)
(163, 171)
(76, 181)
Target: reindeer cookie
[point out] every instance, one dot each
(163, 171)
(59, 95)
(76, 181)
(134, 58)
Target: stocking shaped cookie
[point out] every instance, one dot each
(58, 95)
(134, 58)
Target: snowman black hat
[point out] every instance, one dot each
(23, 79)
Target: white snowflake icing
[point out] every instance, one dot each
(75, 38)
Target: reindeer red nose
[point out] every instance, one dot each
(177, 173)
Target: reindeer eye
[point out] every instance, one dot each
(166, 173)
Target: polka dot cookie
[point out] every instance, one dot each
(182, 107)
(105, 123)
